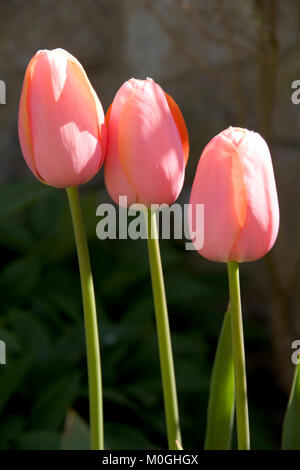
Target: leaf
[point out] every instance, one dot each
(76, 435)
(291, 424)
(19, 278)
(118, 398)
(38, 440)
(11, 378)
(221, 398)
(15, 236)
(10, 428)
(70, 347)
(31, 333)
(51, 406)
(119, 437)
(16, 198)
(189, 376)
(11, 340)
(190, 289)
(57, 288)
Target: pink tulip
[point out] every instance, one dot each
(61, 121)
(147, 145)
(235, 182)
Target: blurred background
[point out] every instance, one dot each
(225, 63)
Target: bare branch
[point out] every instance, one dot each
(237, 72)
(177, 39)
(188, 10)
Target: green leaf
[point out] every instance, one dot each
(16, 198)
(31, 333)
(120, 437)
(70, 347)
(15, 236)
(19, 278)
(221, 398)
(11, 378)
(291, 424)
(38, 440)
(11, 340)
(51, 406)
(76, 435)
(56, 288)
(10, 427)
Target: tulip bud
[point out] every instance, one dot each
(147, 145)
(235, 182)
(62, 128)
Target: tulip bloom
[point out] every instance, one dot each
(63, 138)
(61, 121)
(147, 145)
(145, 162)
(235, 182)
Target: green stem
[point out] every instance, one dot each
(90, 320)
(164, 337)
(238, 357)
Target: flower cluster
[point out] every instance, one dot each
(144, 145)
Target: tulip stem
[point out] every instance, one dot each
(164, 337)
(238, 357)
(90, 320)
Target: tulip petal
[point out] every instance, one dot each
(61, 104)
(101, 118)
(116, 181)
(261, 224)
(24, 123)
(219, 185)
(150, 148)
(181, 126)
(235, 182)
(58, 69)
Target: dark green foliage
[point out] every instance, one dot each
(41, 322)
